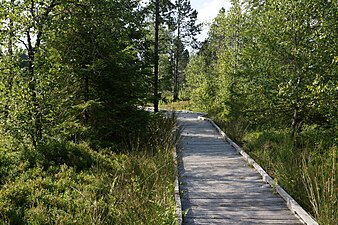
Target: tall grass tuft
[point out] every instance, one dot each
(320, 177)
(306, 167)
(235, 129)
(147, 187)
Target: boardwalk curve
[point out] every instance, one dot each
(218, 186)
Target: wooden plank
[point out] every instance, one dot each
(275, 215)
(212, 152)
(239, 207)
(238, 186)
(260, 221)
(229, 195)
(227, 181)
(211, 142)
(179, 213)
(219, 177)
(224, 201)
(216, 174)
(223, 159)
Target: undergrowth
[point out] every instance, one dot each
(62, 182)
(179, 105)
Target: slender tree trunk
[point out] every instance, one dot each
(296, 119)
(36, 133)
(175, 97)
(86, 97)
(176, 72)
(35, 111)
(294, 122)
(157, 22)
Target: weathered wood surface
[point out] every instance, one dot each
(218, 186)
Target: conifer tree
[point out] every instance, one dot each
(186, 28)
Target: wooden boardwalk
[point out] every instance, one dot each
(217, 184)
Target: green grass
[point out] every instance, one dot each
(305, 168)
(179, 105)
(63, 182)
(320, 179)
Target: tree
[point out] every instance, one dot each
(202, 80)
(222, 53)
(166, 60)
(27, 26)
(286, 36)
(105, 53)
(76, 68)
(186, 30)
(157, 21)
(159, 27)
(272, 65)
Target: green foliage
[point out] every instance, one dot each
(72, 64)
(178, 28)
(266, 63)
(104, 52)
(69, 183)
(201, 84)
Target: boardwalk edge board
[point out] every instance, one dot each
(291, 203)
(177, 194)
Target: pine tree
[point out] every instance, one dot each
(156, 54)
(186, 28)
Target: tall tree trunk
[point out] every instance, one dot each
(32, 50)
(86, 97)
(186, 28)
(294, 122)
(157, 22)
(36, 133)
(175, 97)
(177, 60)
(296, 119)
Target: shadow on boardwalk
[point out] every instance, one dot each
(218, 186)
